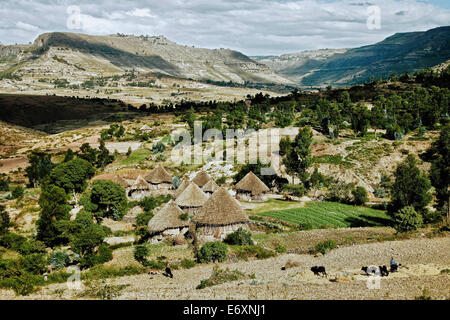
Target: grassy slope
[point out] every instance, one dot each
(321, 214)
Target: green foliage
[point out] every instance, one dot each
(54, 210)
(70, 155)
(407, 219)
(220, 276)
(254, 251)
(410, 188)
(239, 237)
(34, 263)
(159, 147)
(5, 221)
(59, 259)
(188, 263)
(280, 249)
(440, 168)
(17, 192)
(339, 192)
(72, 175)
(325, 246)
(359, 196)
(297, 190)
(212, 252)
(12, 241)
(4, 183)
(140, 253)
(298, 160)
(109, 199)
(97, 157)
(40, 166)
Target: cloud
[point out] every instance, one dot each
(255, 27)
(26, 26)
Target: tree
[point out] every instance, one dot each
(359, 195)
(407, 219)
(109, 199)
(17, 192)
(298, 160)
(140, 253)
(5, 221)
(4, 183)
(212, 252)
(54, 209)
(40, 166)
(103, 157)
(377, 118)
(69, 155)
(72, 175)
(410, 188)
(440, 169)
(360, 119)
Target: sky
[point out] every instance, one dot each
(254, 27)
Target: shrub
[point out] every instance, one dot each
(280, 249)
(34, 263)
(325, 246)
(304, 226)
(12, 241)
(258, 252)
(220, 276)
(59, 259)
(297, 190)
(407, 219)
(140, 253)
(31, 246)
(17, 192)
(155, 264)
(239, 237)
(212, 252)
(359, 195)
(187, 263)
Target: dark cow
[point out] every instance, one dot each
(319, 270)
(384, 271)
(168, 273)
(373, 270)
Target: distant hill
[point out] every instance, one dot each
(402, 52)
(85, 56)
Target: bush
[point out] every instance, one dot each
(187, 263)
(359, 196)
(17, 192)
(220, 276)
(325, 246)
(34, 263)
(239, 237)
(407, 219)
(140, 253)
(297, 190)
(280, 249)
(59, 259)
(304, 226)
(31, 246)
(212, 252)
(257, 252)
(12, 241)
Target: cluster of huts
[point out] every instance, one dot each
(199, 205)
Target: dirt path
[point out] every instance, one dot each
(423, 260)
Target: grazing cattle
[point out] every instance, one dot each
(319, 270)
(395, 267)
(168, 273)
(153, 272)
(374, 270)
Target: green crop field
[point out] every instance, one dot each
(326, 214)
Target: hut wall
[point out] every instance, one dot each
(214, 233)
(138, 194)
(247, 196)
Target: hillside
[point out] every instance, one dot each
(402, 52)
(80, 56)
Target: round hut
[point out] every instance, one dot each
(251, 188)
(191, 199)
(114, 178)
(201, 178)
(167, 222)
(183, 185)
(210, 187)
(140, 189)
(219, 216)
(159, 179)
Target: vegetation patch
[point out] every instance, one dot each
(220, 276)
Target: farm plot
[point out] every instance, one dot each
(330, 214)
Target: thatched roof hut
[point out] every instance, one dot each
(140, 185)
(210, 187)
(145, 128)
(114, 178)
(220, 209)
(167, 218)
(159, 175)
(183, 185)
(251, 184)
(201, 178)
(191, 198)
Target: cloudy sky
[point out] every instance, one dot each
(254, 27)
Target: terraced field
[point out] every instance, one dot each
(331, 214)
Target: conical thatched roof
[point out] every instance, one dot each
(167, 218)
(210, 186)
(159, 175)
(145, 127)
(220, 209)
(201, 178)
(192, 196)
(251, 183)
(112, 177)
(140, 184)
(183, 185)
